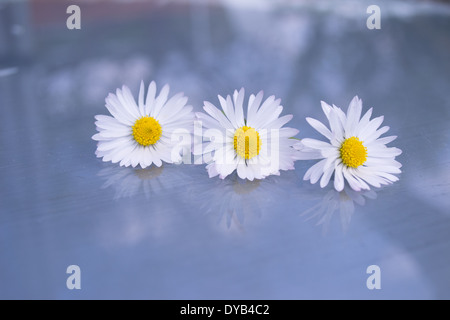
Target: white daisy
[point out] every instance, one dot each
(143, 133)
(255, 144)
(355, 153)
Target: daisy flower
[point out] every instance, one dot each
(142, 133)
(254, 144)
(355, 153)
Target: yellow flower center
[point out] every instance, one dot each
(146, 131)
(353, 152)
(247, 142)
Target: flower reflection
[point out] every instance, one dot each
(234, 202)
(145, 207)
(129, 182)
(341, 202)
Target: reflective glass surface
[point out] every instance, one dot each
(174, 233)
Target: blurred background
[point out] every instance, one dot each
(173, 233)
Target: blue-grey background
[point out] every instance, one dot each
(173, 233)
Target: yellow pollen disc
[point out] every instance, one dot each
(146, 131)
(247, 142)
(353, 152)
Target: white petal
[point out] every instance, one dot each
(278, 123)
(320, 127)
(372, 137)
(117, 110)
(383, 152)
(250, 101)
(353, 116)
(250, 173)
(160, 101)
(388, 176)
(326, 109)
(225, 169)
(354, 184)
(314, 170)
(363, 122)
(253, 109)
(126, 97)
(387, 169)
(386, 140)
(286, 133)
(141, 157)
(207, 121)
(313, 155)
(326, 177)
(109, 134)
(315, 144)
(318, 171)
(341, 116)
(338, 178)
(266, 115)
(157, 158)
(371, 161)
(332, 152)
(148, 159)
(141, 99)
(370, 128)
(369, 178)
(111, 124)
(330, 162)
(150, 99)
(161, 153)
(268, 104)
(227, 107)
(362, 183)
(238, 105)
(336, 125)
(242, 170)
(238, 118)
(172, 107)
(217, 114)
(211, 169)
(112, 144)
(184, 118)
(121, 153)
(98, 137)
(134, 157)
